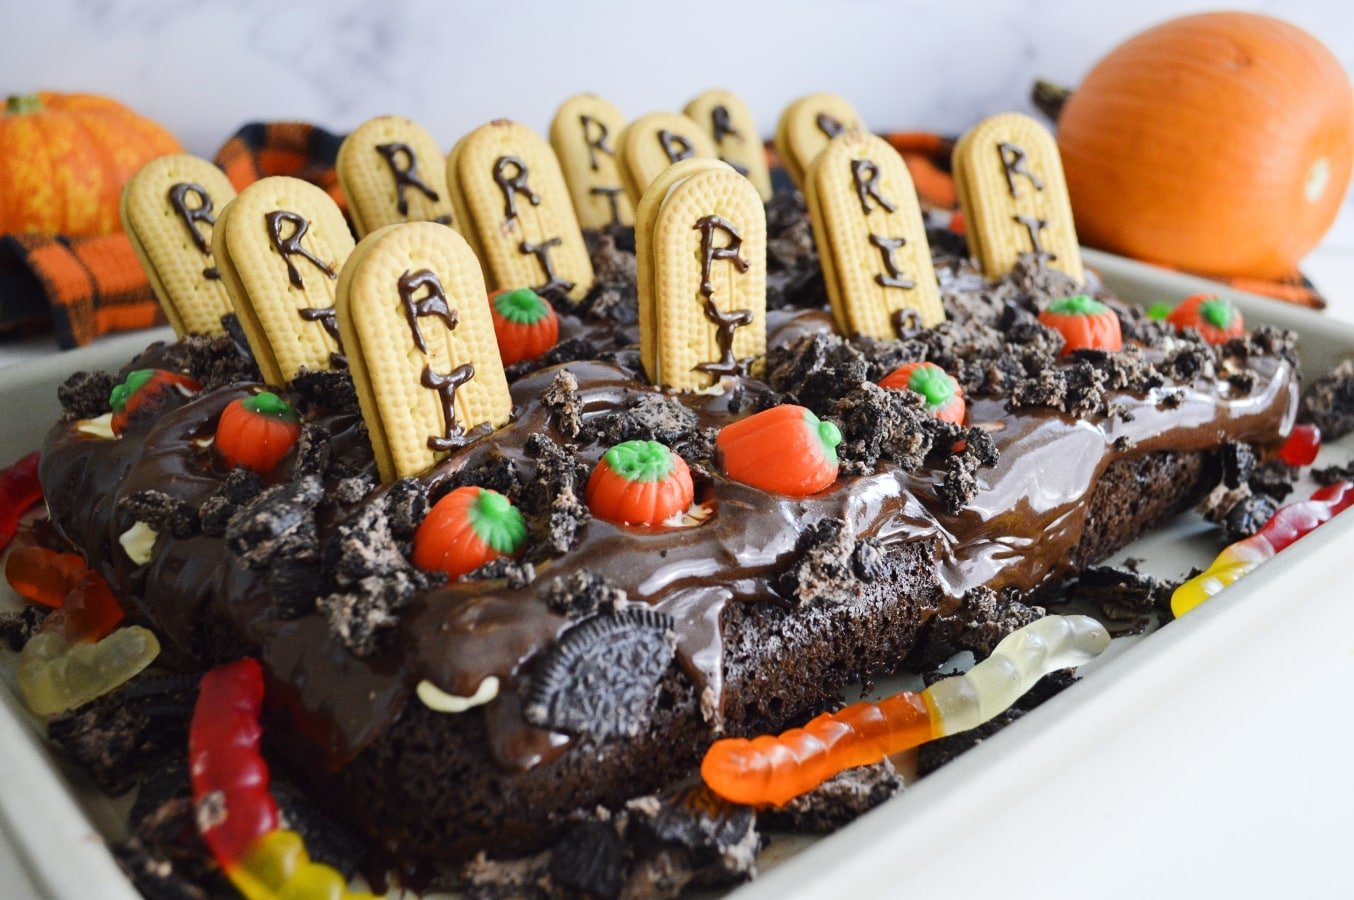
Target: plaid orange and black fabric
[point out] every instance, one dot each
(82, 287)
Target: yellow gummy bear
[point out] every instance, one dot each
(56, 675)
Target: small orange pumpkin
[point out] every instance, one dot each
(1220, 142)
(65, 157)
(256, 432)
(467, 528)
(1084, 323)
(1215, 318)
(785, 449)
(525, 324)
(944, 397)
(639, 483)
(143, 392)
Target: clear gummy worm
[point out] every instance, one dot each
(776, 769)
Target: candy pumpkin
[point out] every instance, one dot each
(64, 159)
(143, 393)
(639, 483)
(525, 324)
(944, 397)
(1220, 142)
(467, 528)
(1084, 323)
(256, 432)
(1213, 317)
(786, 450)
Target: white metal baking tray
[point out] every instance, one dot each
(1209, 758)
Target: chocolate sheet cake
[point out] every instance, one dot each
(750, 617)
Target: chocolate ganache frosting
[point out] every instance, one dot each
(307, 568)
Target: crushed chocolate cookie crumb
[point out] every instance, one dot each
(1122, 593)
(718, 839)
(162, 512)
(494, 472)
(1329, 402)
(590, 858)
(582, 594)
(551, 502)
(817, 370)
(881, 424)
(84, 395)
(241, 486)
(406, 506)
(17, 626)
(981, 620)
(278, 522)
(526, 878)
(1329, 475)
(825, 566)
(836, 802)
(1238, 463)
(960, 484)
(613, 294)
(350, 491)
(372, 580)
(313, 450)
(518, 574)
(571, 350)
(1275, 479)
(325, 390)
(565, 406)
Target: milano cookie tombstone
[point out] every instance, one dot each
(652, 143)
(584, 134)
(392, 170)
(515, 211)
(728, 121)
(701, 254)
(871, 239)
(169, 210)
(279, 246)
(806, 126)
(415, 319)
(1009, 177)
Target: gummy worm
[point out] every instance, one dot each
(19, 489)
(236, 814)
(776, 769)
(1283, 528)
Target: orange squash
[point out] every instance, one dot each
(1220, 142)
(64, 159)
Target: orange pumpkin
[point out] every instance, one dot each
(1220, 142)
(64, 159)
(467, 528)
(639, 483)
(256, 432)
(1084, 323)
(786, 450)
(1215, 318)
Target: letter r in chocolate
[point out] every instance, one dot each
(434, 303)
(510, 174)
(1013, 163)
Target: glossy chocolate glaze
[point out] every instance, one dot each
(206, 604)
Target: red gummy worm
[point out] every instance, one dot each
(230, 777)
(19, 490)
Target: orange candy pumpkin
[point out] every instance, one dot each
(467, 528)
(1216, 319)
(639, 483)
(525, 324)
(944, 397)
(1220, 142)
(143, 391)
(1084, 323)
(785, 450)
(65, 157)
(256, 432)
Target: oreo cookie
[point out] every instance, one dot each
(599, 680)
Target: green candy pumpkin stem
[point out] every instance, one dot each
(933, 384)
(640, 460)
(22, 104)
(521, 307)
(828, 434)
(1217, 312)
(497, 522)
(1077, 305)
(121, 393)
(267, 403)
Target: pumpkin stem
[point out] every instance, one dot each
(22, 104)
(1049, 98)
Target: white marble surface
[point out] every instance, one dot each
(203, 68)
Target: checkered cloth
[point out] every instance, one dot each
(84, 287)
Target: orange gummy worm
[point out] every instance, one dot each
(777, 769)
